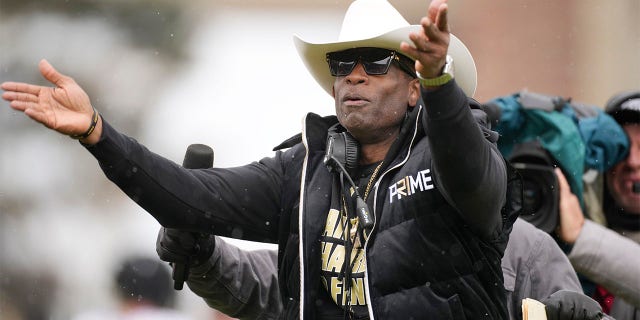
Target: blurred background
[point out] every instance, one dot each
(226, 74)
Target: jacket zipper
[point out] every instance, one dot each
(375, 221)
(301, 216)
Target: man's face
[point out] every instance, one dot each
(372, 107)
(621, 177)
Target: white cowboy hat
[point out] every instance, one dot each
(376, 23)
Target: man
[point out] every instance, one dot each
(420, 232)
(603, 256)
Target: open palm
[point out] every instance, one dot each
(65, 108)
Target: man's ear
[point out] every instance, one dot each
(414, 92)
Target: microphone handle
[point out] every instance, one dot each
(180, 274)
(198, 156)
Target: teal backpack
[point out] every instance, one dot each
(578, 137)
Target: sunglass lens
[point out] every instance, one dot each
(341, 68)
(376, 67)
(374, 60)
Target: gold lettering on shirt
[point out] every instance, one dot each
(336, 290)
(333, 227)
(357, 291)
(336, 260)
(333, 257)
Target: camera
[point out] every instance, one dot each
(541, 192)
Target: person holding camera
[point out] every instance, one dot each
(541, 132)
(392, 208)
(609, 256)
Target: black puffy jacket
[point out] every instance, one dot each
(439, 235)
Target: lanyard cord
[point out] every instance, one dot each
(348, 225)
(348, 246)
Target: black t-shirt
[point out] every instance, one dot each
(334, 297)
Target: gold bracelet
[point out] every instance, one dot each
(92, 126)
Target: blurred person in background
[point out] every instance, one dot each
(144, 292)
(603, 256)
(26, 294)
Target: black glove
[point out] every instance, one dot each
(565, 304)
(189, 248)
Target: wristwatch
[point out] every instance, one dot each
(446, 76)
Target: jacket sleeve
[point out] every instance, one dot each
(241, 202)
(467, 164)
(534, 267)
(240, 283)
(609, 259)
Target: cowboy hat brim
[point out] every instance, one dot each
(314, 56)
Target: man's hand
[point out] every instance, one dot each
(565, 304)
(65, 108)
(189, 248)
(571, 217)
(431, 44)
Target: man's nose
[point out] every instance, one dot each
(633, 159)
(357, 75)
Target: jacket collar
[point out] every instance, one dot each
(316, 128)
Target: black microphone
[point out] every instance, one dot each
(198, 156)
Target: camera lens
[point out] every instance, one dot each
(540, 195)
(533, 195)
(539, 184)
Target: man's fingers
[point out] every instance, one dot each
(434, 8)
(442, 21)
(19, 96)
(562, 181)
(37, 115)
(420, 41)
(21, 87)
(408, 49)
(23, 105)
(32, 111)
(51, 74)
(433, 32)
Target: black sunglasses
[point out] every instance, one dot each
(375, 61)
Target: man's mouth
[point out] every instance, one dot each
(354, 99)
(635, 187)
